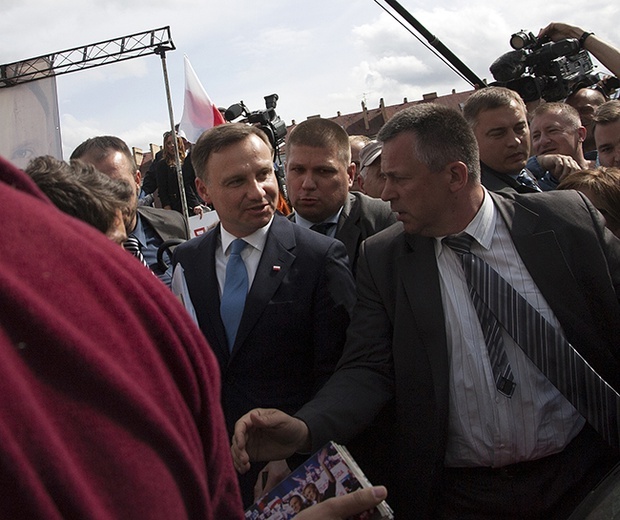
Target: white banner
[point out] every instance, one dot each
(30, 121)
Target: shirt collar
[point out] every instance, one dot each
(138, 231)
(481, 227)
(256, 239)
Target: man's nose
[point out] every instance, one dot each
(387, 193)
(308, 182)
(256, 190)
(515, 139)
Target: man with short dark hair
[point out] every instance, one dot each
(606, 131)
(470, 320)
(272, 298)
(151, 227)
(498, 117)
(586, 100)
(319, 173)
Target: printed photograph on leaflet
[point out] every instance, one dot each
(330, 472)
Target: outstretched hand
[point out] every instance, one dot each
(267, 434)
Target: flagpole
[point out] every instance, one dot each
(161, 50)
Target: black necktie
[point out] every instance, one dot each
(324, 228)
(132, 244)
(549, 350)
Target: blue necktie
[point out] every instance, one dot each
(527, 180)
(235, 291)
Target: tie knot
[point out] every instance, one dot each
(525, 179)
(324, 228)
(237, 246)
(460, 244)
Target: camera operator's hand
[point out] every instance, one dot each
(558, 165)
(559, 31)
(604, 52)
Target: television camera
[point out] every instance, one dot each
(270, 123)
(538, 68)
(267, 120)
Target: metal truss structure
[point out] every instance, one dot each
(156, 41)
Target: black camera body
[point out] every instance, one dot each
(271, 124)
(267, 120)
(543, 69)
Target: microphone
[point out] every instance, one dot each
(233, 112)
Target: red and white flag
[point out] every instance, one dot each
(199, 112)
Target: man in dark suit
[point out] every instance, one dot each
(319, 173)
(150, 226)
(298, 288)
(498, 117)
(461, 447)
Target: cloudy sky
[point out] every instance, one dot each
(320, 57)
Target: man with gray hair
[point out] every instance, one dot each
(483, 427)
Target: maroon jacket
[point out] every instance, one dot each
(105, 412)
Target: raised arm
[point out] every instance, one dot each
(604, 52)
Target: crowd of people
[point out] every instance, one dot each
(443, 298)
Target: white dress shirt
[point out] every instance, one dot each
(486, 428)
(251, 257)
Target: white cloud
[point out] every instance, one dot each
(320, 58)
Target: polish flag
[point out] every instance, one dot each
(199, 112)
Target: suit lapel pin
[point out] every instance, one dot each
(276, 268)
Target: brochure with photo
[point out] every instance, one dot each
(330, 472)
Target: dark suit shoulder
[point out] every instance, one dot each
(168, 224)
(375, 211)
(388, 236)
(557, 205)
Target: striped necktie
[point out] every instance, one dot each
(482, 287)
(548, 349)
(235, 291)
(132, 244)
